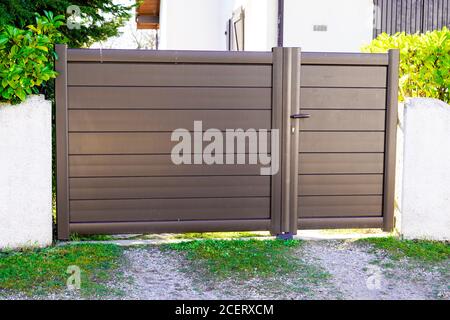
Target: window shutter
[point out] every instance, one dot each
(236, 31)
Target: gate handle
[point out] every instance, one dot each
(300, 116)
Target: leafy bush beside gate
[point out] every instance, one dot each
(424, 65)
(26, 57)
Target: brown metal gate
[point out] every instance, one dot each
(116, 110)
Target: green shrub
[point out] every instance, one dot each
(26, 57)
(424, 65)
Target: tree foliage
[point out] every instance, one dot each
(100, 19)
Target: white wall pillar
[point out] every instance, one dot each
(26, 173)
(424, 202)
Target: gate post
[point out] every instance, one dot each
(62, 166)
(286, 106)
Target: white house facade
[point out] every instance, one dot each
(259, 25)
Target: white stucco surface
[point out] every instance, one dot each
(25, 174)
(201, 24)
(261, 23)
(349, 24)
(425, 192)
(194, 25)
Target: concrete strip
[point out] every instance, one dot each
(307, 235)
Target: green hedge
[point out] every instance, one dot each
(424, 65)
(26, 57)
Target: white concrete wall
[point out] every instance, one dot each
(26, 174)
(424, 196)
(349, 23)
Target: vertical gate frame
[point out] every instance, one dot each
(390, 140)
(277, 123)
(286, 101)
(62, 167)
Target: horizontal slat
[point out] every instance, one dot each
(343, 76)
(169, 209)
(345, 58)
(169, 187)
(148, 165)
(310, 185)
(341, 98)
(344, 120)
(167, 56)
(168, 75)
(135, 143)
(168, 98)
(339, 206)
(340, 163)
(170, 226)
(341, 141)
(339, 223)
(120, 143)
(165, 120)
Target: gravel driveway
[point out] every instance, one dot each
(355, 271)
(330, 269)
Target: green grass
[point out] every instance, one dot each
(44, 270)
(218, 235)
(246, 258)
(93, 237)
(429, 251)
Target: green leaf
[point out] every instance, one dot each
(42, 48)
(20, 93)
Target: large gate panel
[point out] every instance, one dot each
(120, 109)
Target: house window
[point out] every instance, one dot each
(235, 31)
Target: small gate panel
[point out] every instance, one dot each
(342, 166)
